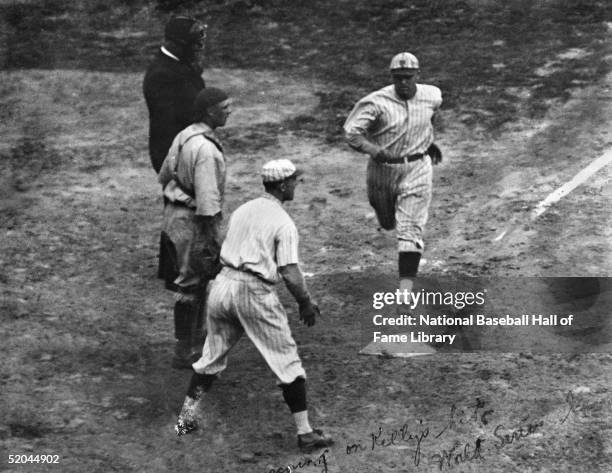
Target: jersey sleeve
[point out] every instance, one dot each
(362, 117)
(287, 245)
(206, 181)
(436, 97)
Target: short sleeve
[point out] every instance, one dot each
(437, 97)
(362, 117)
(287, 245)
(205, 181)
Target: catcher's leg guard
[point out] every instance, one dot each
(184, 315)
(382, 193)
(198, 325)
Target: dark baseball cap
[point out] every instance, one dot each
(208, 97)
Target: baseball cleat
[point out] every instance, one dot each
(314, 440)
(185, 426)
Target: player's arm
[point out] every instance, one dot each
(296, 284)
(361, 119)
(437, 121)
(208, 214)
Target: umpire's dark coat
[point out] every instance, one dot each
(169, 87)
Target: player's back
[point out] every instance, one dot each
(255, 230)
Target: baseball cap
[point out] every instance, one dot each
(404, 61)
(279, 170)
(208, 97)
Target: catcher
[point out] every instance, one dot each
(394, 126)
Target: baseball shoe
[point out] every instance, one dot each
(185, 426)
(314, 440)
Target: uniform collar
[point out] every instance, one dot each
(169, 54)
(391, 91)
(203, 127)
(271, 197)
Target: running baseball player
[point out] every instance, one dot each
(193, 179)
(394, 127)
(260, 248)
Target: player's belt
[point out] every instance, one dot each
(409, 159)
(245, 272)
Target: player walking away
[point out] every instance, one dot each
(171, 83)
(260, 248)
(193, 179)
(394, 126)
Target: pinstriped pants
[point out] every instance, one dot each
(239, 303)
(411, 185)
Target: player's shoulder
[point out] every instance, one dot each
(386, 92)
(379, 97)
(268, 211)
(429, 92)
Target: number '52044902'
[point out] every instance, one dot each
(33, 458)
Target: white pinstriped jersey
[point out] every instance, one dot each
(403, 127)
(261, 237)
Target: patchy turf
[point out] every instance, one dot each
(493, 61)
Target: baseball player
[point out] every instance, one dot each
(260, 248)
(193, 179)
(394, 127)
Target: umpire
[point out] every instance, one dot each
(394, 127)
(171, 83)
(260, 249)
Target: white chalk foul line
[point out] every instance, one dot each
(569, 186)
(565, 189)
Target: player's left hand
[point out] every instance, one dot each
(434, 153)
(309, 312)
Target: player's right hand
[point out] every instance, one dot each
(382, 156)
(308, 313)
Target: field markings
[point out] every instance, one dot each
(564, 190)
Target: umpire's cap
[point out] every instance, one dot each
(404, 61)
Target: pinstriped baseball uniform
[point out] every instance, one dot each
(261, 237)
(404, 128)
